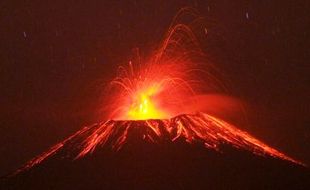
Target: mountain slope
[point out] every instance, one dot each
(185, 152)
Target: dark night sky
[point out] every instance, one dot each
(55, 58)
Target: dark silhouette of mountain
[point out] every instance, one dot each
(186, 152)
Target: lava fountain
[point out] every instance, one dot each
(152, 98)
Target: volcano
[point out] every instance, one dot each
(189, 151)
(149, 143)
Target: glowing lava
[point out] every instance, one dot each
(151, 91)
(143, 106)
(158, 86)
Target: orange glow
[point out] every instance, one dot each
(151, 91)
(143, 106)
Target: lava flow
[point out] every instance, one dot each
(201, 128)
(148, 99)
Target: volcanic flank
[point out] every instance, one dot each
(187, 151)
(199, 128)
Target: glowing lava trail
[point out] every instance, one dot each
(149, 99)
